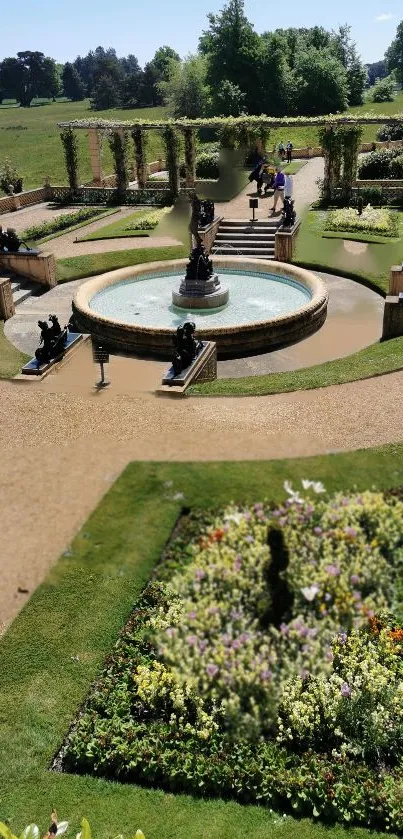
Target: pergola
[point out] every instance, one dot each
(340, 140)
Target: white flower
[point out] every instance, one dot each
(294, 495)
(310, 592)
(179, 496)
(317, 486)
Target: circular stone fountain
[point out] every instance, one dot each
(270, 304)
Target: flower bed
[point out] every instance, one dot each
(372, 220)
(262, 662)
(147, 221)
(62, 222)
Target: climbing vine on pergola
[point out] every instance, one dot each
(340, 138)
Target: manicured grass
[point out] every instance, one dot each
(55, 648)
(11, 359)
(120, 228)
(294, 167)
(31, 138)
(359, 237)
(75, 267)
(372, 361)
(329, 254)
(102, 214)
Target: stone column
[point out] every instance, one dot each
(95, 155)
(396, 280)
(7, 308)
(190, 157)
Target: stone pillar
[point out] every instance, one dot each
(95, 155)
(7, 308)
(190, 157)
(396, 280)
(392, 318)
(284, 240)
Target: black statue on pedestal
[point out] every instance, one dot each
(186, 347)
(288, 212)
(53, 340)
(10, 241)
(207, 212)
(199, 267)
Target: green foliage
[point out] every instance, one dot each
(378, 164)
(171, 141)
(11, 359)
(371, 220)
(396, 167)
(212, 695)
(390, 131)
(28, 75)
(70, 148)
(140, 139)
(10, 177)
(321, 82)
(73, 87)
(118, 146)
(229, 100)
(394, 55)
(207, 165)
(62, 222)
(383, 90)
(185, 91)
(105, 94)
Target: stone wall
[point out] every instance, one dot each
(24, 199)
(38, 267)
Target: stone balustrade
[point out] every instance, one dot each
(284, 242)
(39, 267)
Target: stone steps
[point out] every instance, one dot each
(245, 238)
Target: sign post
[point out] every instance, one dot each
(253, 204)
(101, 357)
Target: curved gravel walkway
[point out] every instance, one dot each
(62, 445)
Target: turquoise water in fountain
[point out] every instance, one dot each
(147, 301)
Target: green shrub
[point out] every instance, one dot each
(377, 164)
(10, 177)
(382, 91)
(396, 167)
(62, 222)
(390, 131)
(371, 220)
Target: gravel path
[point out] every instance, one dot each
(62, 445)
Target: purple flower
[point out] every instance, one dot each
(357, 595)
(191, 616)
(249, 539)
(202, 645)
(351, 531)
(345, 689)
(354, 579)
(332, 570)
(317, 531)
(284, 629)
(328, 654)
(171, 631)
(200, 574)
(258, 508)
(266, 675)
(211, 670)
(342, 637)
(236, 644)
(226, 639)
(191, 640)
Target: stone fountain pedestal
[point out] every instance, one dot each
(201, 287)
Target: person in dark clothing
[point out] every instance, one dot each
(289, 152)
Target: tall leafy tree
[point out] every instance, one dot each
(186, 91)
(105, 94)
(376, 70)
(346, 51)
(321, 82)
(233, 51)
(28, 75)
(394, 55)
(73, 87)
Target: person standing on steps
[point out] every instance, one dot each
(279, 185)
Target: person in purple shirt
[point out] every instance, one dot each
(279, 184)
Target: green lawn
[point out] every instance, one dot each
(327, 253)
(31, 138)
(11, 359)
(76, 267)
(120, 228)
(54, 649)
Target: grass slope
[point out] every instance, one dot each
(76, 267)
(55, 647)
(11, 359)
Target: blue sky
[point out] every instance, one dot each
(65, 28)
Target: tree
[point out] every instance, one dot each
(73, 87)
(394, 55)
(376, 70)
(229, 101)
(277, 83)
(162, 61)
(105, 94)
(150, 93)
(30, 74)
(346, 51)
(322, 86)
(186, 91)
(233, 50)
(383, 90)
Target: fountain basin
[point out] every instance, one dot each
(256, 327)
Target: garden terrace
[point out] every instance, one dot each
(340, 138)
